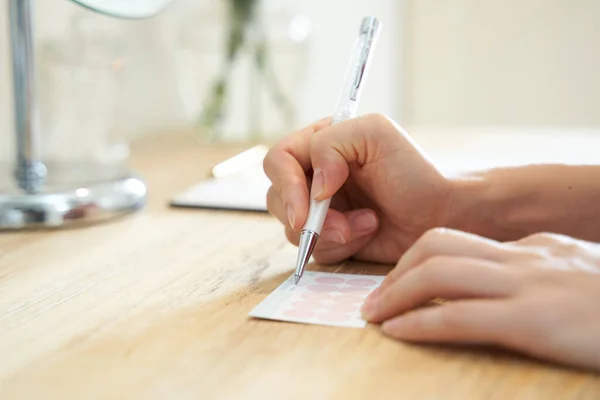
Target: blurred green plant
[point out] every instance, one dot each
(245, 29)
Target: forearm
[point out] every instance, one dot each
(510, 203)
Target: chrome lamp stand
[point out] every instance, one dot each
(38, 195)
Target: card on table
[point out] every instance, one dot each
(319, 298)
(238, 183)
(245, 191)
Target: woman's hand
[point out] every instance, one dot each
(539, 295)
(386, 193)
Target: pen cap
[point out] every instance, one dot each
(369, 26)
(357, 69)
(368, 33)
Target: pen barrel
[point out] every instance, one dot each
(347, 103)
(316, 215)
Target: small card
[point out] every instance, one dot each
(238, 183)
(320, 298)
(241, 191)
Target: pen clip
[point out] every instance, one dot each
(369, 29)
(360, 72)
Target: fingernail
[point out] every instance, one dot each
(374, 294)
(363, 222)
(318, 183)
(367, 309)
(290, 214)
(334, 235)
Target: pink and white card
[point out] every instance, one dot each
(320, 298)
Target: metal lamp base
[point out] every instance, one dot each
(74, 194)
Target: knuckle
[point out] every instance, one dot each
(552, 244)
(540, 237)
(375, 125)
(377, 118)
(320, 124)
(565, 248)
(382, 124)
(430, 237)
(429, 271)
(438, 231)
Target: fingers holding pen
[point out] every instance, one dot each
(343, 233)
(289, 202)
(357, 141)
(286, 165)
(363, 226)
(287, 198)
(336, 231)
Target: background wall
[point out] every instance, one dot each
(502, 62)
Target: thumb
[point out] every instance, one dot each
(355, 141)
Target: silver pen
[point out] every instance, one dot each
(346, 109)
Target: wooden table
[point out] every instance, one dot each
(155, 306)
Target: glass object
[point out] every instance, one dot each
(241, 66)
(126, 8)
(39, 194)
(79, 83)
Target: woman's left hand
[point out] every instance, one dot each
(539, 295)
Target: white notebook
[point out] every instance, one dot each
(239, 184)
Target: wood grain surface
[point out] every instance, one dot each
(155, 305)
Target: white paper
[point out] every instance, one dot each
(320, 298)
(241, 191)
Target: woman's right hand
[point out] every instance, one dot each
(386, 193)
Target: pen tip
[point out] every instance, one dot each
(297, 279)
